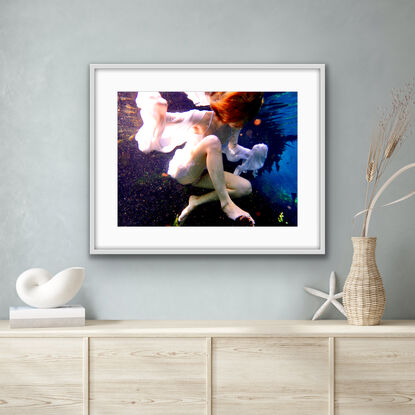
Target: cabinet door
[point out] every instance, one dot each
(147, 376)
(40, 376)
(270, 376)
(375, 376)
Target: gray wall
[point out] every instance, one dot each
(45, 51)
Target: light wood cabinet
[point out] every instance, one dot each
(209, 368)
(375, 376)
(41, 376)
(147, 376)
(263, 375)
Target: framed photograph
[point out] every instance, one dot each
(207, 159)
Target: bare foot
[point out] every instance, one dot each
(234, 212)
(186, 211)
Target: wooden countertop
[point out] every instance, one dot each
(218, 328)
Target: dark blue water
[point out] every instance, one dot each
(280, 184)
(281, 109)
(278, 127)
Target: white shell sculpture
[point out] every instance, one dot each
(38, 288)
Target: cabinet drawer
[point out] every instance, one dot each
(270, 376)
(148, 376)
(375, 376)
(40, 376)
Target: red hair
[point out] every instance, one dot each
(231, 107)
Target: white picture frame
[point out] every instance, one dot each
(308, 237)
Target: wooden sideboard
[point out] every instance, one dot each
(209, 367)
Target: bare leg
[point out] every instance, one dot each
(208, 153)
(236, 187)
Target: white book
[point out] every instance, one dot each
(65, 316)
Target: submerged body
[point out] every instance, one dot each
(205, 136)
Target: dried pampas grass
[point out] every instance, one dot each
(392, 129)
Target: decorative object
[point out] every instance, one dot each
(139, 204)
(38, 288)
(331, 297)
(365, 300)
(364, 294)
(65, 316)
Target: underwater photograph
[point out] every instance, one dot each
(207, 159)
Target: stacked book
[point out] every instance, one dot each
(65, 316)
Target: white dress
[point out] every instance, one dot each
(153, 136)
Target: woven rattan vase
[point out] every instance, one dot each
(363, 293)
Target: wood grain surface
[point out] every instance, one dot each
(270, 376)
(40, 376)
(243, 368)
(375, 377)
(218, 328)
(147, 376)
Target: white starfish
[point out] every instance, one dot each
(331, 297)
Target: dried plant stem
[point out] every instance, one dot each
(379, 193)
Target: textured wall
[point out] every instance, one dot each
(46, 47)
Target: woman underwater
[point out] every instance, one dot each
(207, 134)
